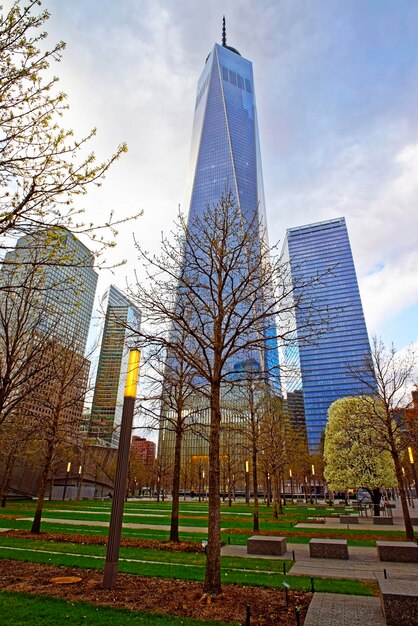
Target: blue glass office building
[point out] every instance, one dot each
(321, 369)
(225, 152)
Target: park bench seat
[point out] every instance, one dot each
(328, 549)
(398, 551)
(380, 520)
(265, 545)
(349, 519)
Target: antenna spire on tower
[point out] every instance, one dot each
(223, 32)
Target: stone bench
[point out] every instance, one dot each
(272, 546)
(349, 519)
(328, 549)
(414, 521)
(398, 551)
(379, 520)
(399, 600)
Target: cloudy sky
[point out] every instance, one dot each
(337, 96)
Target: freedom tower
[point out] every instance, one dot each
(224, 161)
(225, 152)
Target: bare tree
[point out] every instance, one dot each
(57, 407)
(24, 336)
(223, 274)
(275, 433)
(251, 409)
(388, 375)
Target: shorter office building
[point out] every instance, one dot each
(121, 319)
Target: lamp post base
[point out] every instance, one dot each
(110, 574)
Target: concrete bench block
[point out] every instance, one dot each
(379, 520)
(397, 551)
(349, 519)
(272, 546)
(414, 521)
(328, 549)
(399, 601)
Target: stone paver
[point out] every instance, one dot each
(78, 522)
(332, 609)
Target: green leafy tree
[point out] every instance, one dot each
(353, 452)
(43, 167)
(389, 375)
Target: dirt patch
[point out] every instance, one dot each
(101, 540)
(173, 597)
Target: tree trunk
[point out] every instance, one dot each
(51, 487)
(279, 484)
(255, 487)
(36, 525)
(376, 498)
(229, 485)
(10, 463)
(275, 513)
(175, 507)
(398, 470)
(212, 584)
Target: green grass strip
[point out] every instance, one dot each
(26, 610)
(184, 566)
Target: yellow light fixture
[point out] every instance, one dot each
(247, 467)
(411, 456)
(79, 469)
(290, 473)
(68, 466)
(313, 470)
(132, 374)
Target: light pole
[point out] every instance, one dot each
(79, 481)
(66, 480)
(115, 525)
(247, 483)
(203, 485)
(314, 484)
(414, 469)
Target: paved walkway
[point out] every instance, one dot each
(332, 609)
(84, 522)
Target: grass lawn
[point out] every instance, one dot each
(25, 609)
(179, 565)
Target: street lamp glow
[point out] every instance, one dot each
(411, 456)
(132, 374)
(79, 470)
(68, 466)
(290, 473)
(313, 470)
(247, 467)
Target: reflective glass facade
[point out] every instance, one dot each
(322, 368)
(64, 265)
(225, 153)
(107, 407)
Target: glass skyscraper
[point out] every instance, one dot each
(66, 282)
(225, 158)
(122, 318)
(225, 153)
(322, 368)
